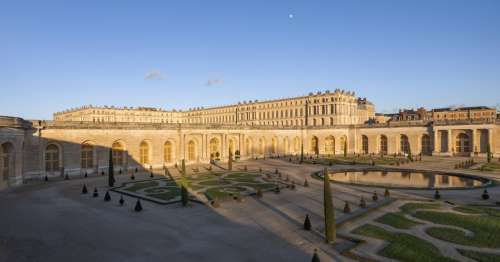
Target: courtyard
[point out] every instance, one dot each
(54, 221)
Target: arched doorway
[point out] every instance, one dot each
(383, 145)
(87, 156)
(330, 145)
(274, 145)
(426, 145)
(7, 160)
(285, 146)
(314, 145)
(462, 144)
(52, 161)
(248, 147)
(262, 146)
(296, 145)
(364, 144)
(168, 155)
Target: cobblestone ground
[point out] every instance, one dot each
(54, 222)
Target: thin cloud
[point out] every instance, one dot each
(215, 81)
(154, 75)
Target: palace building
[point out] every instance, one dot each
(327, 123)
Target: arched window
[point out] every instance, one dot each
(87, 157)
(364, 143)
(426, 145)
(343, 144)
(274, 146)
(383, 144)
(405, 144)
(52, 158)
(296, 144)
(314, 145)
(248, 147)
(214, 148)
(262, 146)
(167, 152)
(118, 151)
(462, 143)
(144, 153)
(7, 160)
(285, 146)
(191, 150)
(330, 145)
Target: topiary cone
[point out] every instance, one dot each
(96, 194)
(277, 190)
(121, 201)
(138, 206)
(485, 195)
(66, 177)
(151, 175)
(306, 184)
(386, 193)
(85, 174)
(132, 177)
(315, 257)
(347, 207)
(437, 195)
(293, 184)
(46, 179)
(307, 223)
(362, 202)
(84, 189)
(259, 193)
(375, 196)
(107, 197)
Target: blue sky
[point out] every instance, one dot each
(179, 54)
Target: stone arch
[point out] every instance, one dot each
(364, 144)
(343, 144)
(262, 146)
(296, 145)
(314, 145)
(286, 146)
(426, 144)
(330, 145)
(192, 153)
(274, 145)
(7, 163)
(248, 146)
(232, 146)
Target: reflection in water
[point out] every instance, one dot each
(404, 179)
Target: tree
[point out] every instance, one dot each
(84, 189)
(315, 257)
(347, 207)
(111, 171)
(330, 233)
(488, 153)
(301, 153)
(96, 194)
(138, 206)
(307, 223)
(122, 201)
(107, 196)
(345, 148)
(230, 161)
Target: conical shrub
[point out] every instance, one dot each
(107, 196)
(277, 190)
(132, 177)
(386, 193)
(307, 223)
(66, 177)
(138, 206)
(315, 257)
(306, 184)
(375, 196)
(151, 175)
(84, 189)
(95, 194)
(121, 201)
(85, 175)
(287, 178)
(362, 202)
(437, 195)
(347, 207)
(276, 171)
(46, 179)
(293, 185)
(259, 193)
(485, 195)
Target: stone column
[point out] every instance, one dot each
(491, 141)
(450, 142)
(436, 142)
(475, 146)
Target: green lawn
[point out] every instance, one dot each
(486, 228)
(255, 186)
(493, 166)
(479, 256)
(478, 210)
(222, 193)
(141, 185)
(397, 220)
(403, 247)
(412, 207)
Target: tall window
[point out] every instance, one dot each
(274, 146)
(314, 145)
(117, 152)
(426, 145)
(248, 147)
(144, 153)
(463, 143)
(51, 158)
(405, 144)
(285, 145)
(262, 146)
(296, 144)
(191, 150)
(87, 158)
(214, 148)
(364, 143)
(383, 145)
(330, 145)
(167, 152)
